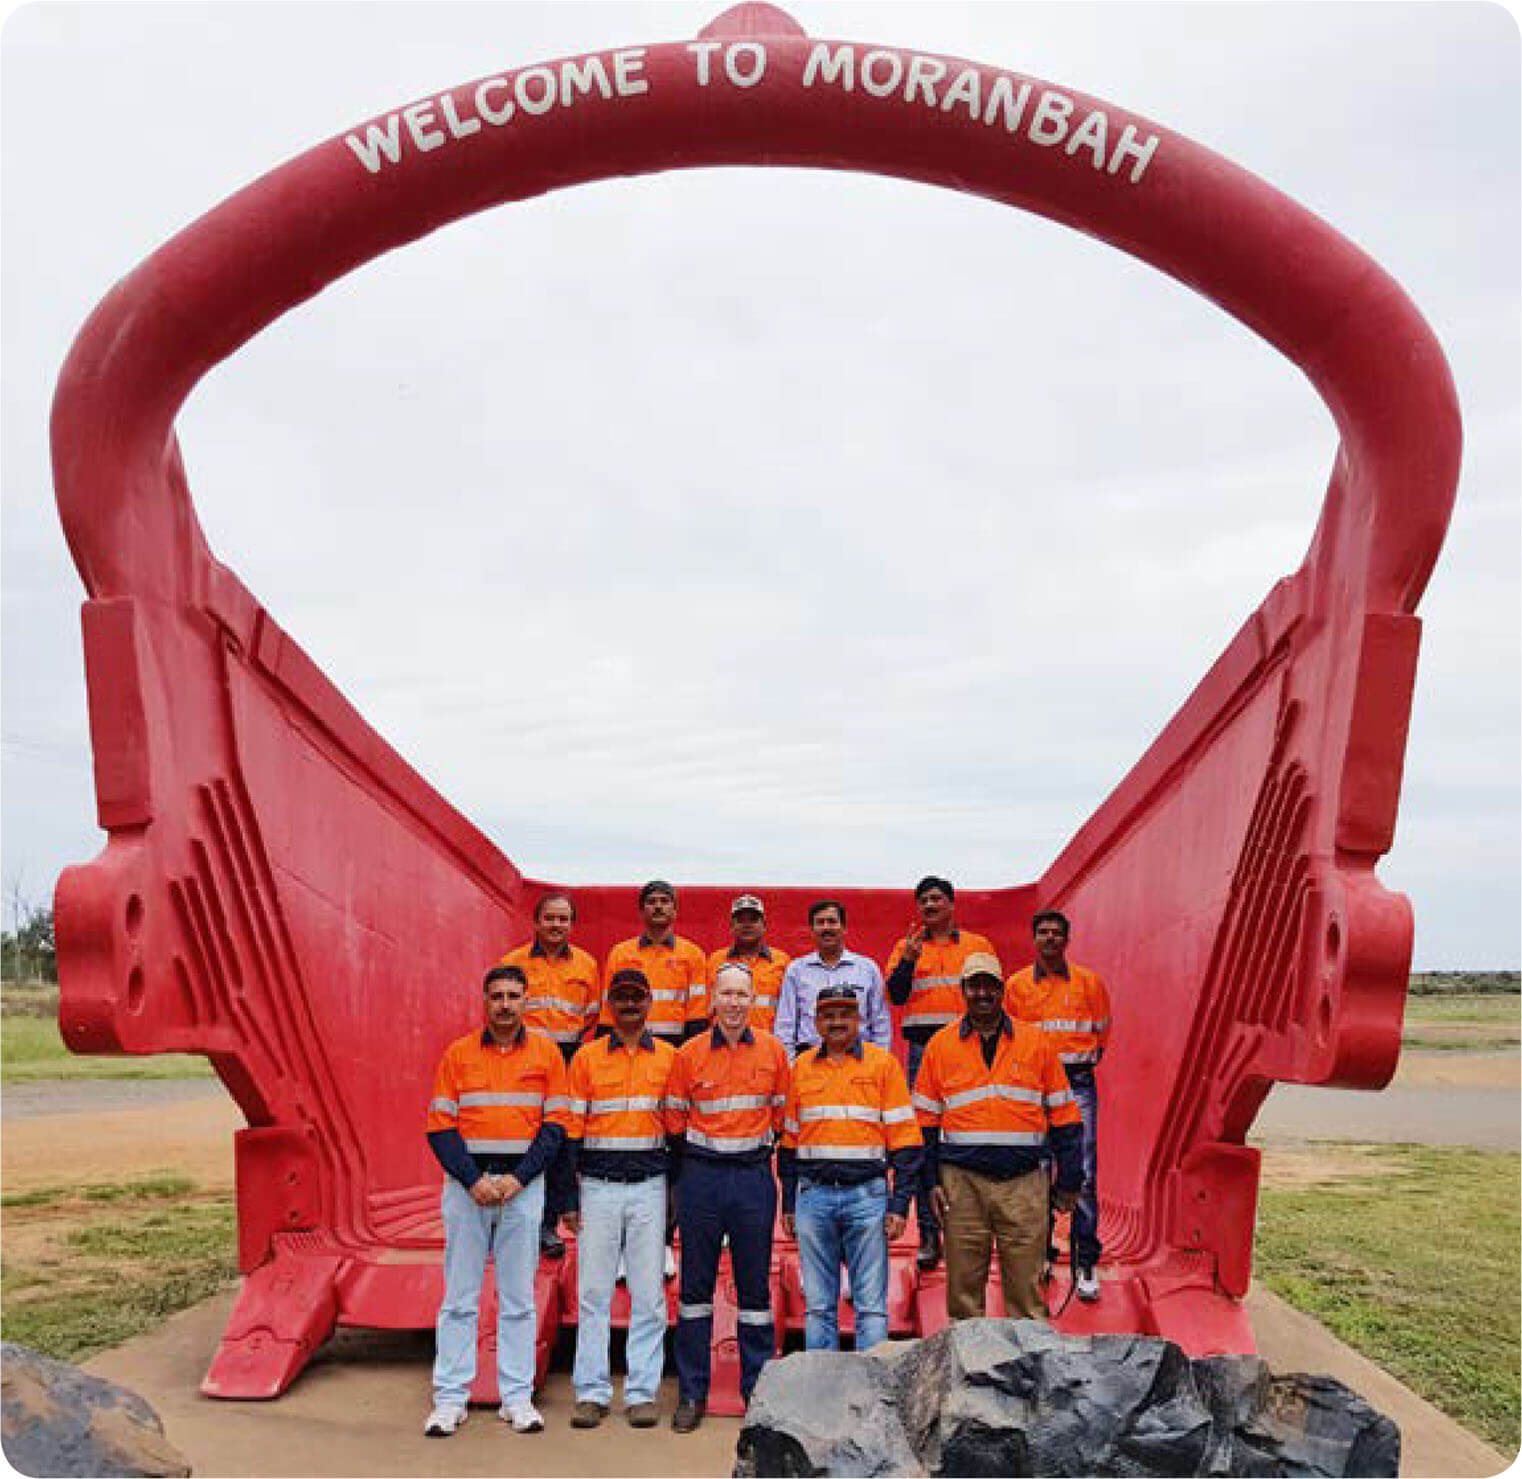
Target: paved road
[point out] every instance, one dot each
(98, 1096)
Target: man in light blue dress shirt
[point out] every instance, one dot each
(830, 964)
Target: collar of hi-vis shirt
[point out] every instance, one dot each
(1065, 974)
(1005, 1028)
(718, 1040)
(646, 1042)
(537, 949)
(669, 943)
(763, 950)
(512, 1045)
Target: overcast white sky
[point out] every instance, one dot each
(768, 526)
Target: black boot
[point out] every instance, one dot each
(929, 1256)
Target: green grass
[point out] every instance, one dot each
(1416, 1265)
(1463, 1022)
(105, 1263)
(31, 1049)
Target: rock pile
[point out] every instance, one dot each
(56, 1420)
(1014, 1397)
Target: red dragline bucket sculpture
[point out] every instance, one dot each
(274, 868)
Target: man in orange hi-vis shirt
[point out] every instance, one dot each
(1071, 1004)
(925, 978)
(564, 994)
(676, 969)
(497, 1118)
(766, 963)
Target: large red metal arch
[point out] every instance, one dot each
(272, 863)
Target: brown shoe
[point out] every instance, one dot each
(687, 1416)
(643, 1415)
(587, 1414)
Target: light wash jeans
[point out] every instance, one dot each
(628, 1218)
(836, 1221)
(510, 1234)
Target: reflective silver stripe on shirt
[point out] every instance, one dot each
(993, 1137)
(498, 1147)
(1074, 1024)
(791, 1126)
(675, 1102)
(515, 1101)
(927, 1019)
(619, 1106)
(1063, 1096)
(900, 1116)
(840, 1153)
(569, 1034)
(862, 1112)
(624, 1142)
(739, 1101)
(668, 996)
(993, 1091)
(925, 1102)
(778, 1100)
(443, 1106)
(925, 983)
(1079, 1057)
(556, 1101)
(727, 1144)
(694, 1311)
(576, 1106)
(754, 1317)
(555, 1004)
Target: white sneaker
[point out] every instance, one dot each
(443, 1421)
(622, 1274)
(669, 1266)
(1088, 1285)
(524, 1418)
(845, 1286)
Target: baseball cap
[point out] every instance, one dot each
(747, 901)
(627, 978)
(981, 963)
(837, 993)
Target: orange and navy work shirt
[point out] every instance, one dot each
(498, 1098)
(564, 991)
(767, 968)
(930, 991)
(727, 1099)
(847, 1120)
(617, 1121)
(993, 1117)
(1073, 1010)
(677, 972)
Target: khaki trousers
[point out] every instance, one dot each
(982, 1210)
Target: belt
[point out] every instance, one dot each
(624, 1178)
(832, 1179)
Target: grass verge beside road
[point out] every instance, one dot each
(31, 1049)
(1410, 1254)
(1463, 1022)
(87, 1267)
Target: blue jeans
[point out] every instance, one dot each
(510, 1235)
(714, 1200)
(1086, 1213)
(628, 1218)
(843, 1220)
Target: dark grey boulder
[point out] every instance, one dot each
(1014, 1397)
(57, 1420)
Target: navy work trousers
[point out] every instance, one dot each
(712, 1200)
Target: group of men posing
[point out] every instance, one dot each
(663, 1100)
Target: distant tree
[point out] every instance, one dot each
(28, 951)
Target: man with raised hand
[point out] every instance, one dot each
(676, 969)
(991, 1096)
(747, 923)
(830, 964)
(925, 978)
(496, 1120)
(1071, 1004)
(564, 994)
(617, 1143)
(727, 1095)
(848, 1124)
